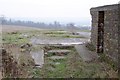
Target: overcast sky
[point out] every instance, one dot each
(51, 9)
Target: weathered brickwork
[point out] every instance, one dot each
(111, 32)
(94, 29)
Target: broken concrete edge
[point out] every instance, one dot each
(59, 50)
(61, 43)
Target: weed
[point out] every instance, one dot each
(90, 46)
(14, 38)
(104, 58)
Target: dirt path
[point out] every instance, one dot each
(85, 54)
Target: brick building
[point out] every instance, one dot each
(104, 32)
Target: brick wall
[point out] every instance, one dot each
(111, 22)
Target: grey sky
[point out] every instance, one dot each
(72, 9)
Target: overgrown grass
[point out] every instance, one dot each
(61, 47)
(65, 36)
(106, 59)
(73, 66)
(90, 46)
(13, 38)
(61, 34)
(55, 32)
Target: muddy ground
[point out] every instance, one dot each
(31, 49)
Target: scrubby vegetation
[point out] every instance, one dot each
(69, 65)
(90, 46)
(72, 66)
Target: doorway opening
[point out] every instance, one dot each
(100, 39)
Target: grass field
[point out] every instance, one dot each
(72, 66)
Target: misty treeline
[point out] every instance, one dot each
(30, 23)
(54, 25)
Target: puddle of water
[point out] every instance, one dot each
(38, 57)
(72, 43)
(65, 41)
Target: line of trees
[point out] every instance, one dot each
(54, 25)
(30, 23)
